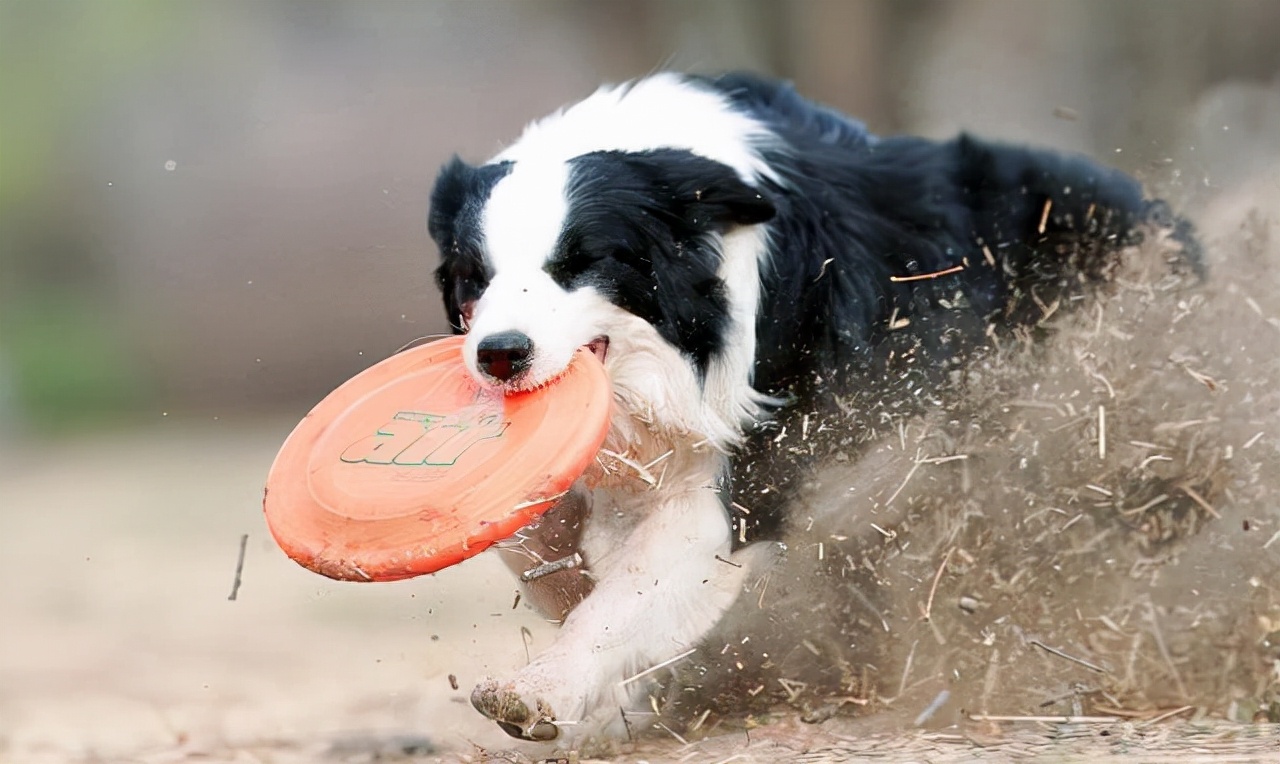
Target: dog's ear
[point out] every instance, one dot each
(447, 199)
(725, 201)
(460, 192)
(708, 195)
(454, 222)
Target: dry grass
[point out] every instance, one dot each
(1084, 534)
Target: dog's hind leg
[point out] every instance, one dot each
(657, 593)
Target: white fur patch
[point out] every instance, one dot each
(728, 386)
(525, 215)
(662, 111)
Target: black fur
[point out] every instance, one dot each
(850, 216)
(853, 211)
(639, 231)
(454, 223)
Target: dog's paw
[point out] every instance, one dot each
(520, 714)
(748, 563)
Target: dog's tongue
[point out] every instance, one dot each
(600, 347)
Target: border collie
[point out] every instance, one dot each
(745, 263)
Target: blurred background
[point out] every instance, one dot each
(212, 212)
(219, 207)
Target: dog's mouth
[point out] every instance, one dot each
(599, 347)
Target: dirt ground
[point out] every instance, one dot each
(119, 643)
(995, 560)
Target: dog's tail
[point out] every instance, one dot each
(1047, 219)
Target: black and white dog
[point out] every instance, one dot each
(740, 259)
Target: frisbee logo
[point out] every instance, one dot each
(418, 439)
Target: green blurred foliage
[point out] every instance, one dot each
(69, 359)
(56, 59)
(64, 354)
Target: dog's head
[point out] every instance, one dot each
(646, 255)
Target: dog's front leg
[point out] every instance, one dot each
(659, 590)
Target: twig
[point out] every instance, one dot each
(1197, 498)
(1164, 427)
(547, 568)
(1164, 650)
(1202, 378)
(869, 605)
(1111, 391)
(1165, 715)
(673, 733)
(640, 471)
(890, 535)
(697, 725)
(792, 687)
(1048, 719)
(943, 459)
(1071, 522)
(989, 681)
(1102, 432)
(540, 500)
(658, 667)
(932, 708)
(822, 270)
(764, 587)
(1044, 215)
(925, 276)
(526, 637)
(1154, 458)
(928, 606)
(1072, 658)
(659, 459)
(1122, 713)
(235, 584)
(418, 340)
(914, 466)
(1139, 510)
(906, 669)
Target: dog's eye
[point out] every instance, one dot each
(466, 311)
(571, 263)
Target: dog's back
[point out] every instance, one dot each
(895, 259)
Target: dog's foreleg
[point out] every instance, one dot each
(659, 590)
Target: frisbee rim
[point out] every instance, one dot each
(343, 547)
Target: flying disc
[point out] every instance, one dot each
(412, 465)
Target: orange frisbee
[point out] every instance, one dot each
(412, 466)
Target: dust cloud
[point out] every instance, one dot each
(1091, 528)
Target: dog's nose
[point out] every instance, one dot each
(504, 356)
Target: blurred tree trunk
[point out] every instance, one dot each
(837, 51)
(849, 54)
